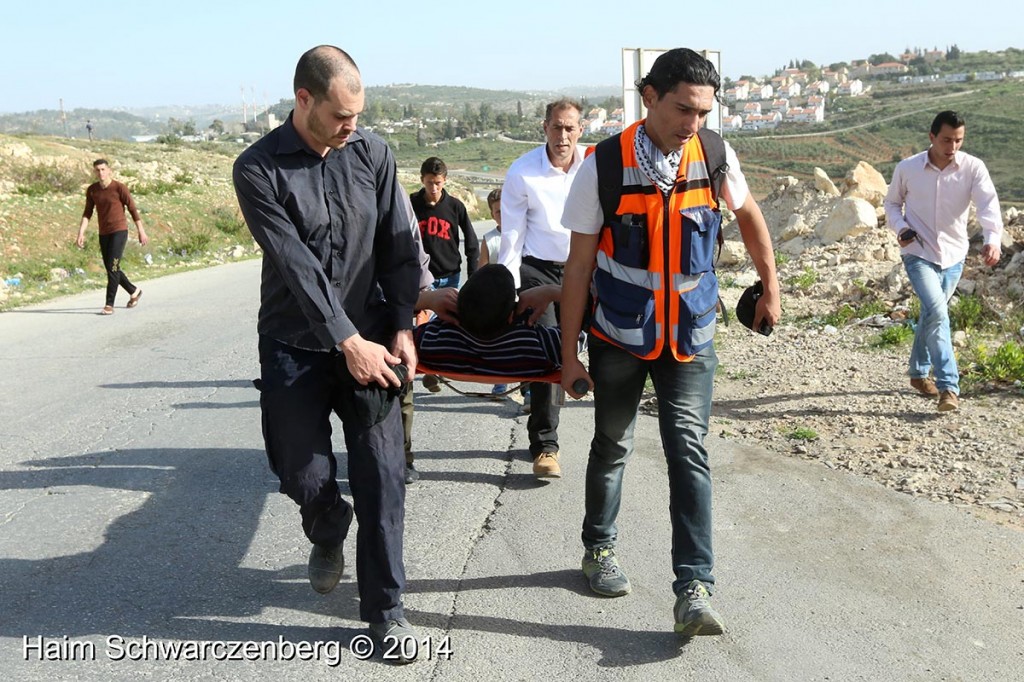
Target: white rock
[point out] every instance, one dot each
(795, 227)
(851, 217)
(733, 252)
(823, 183)
(864, 182)
(966, 286)
(960, 338)
(1016, 263)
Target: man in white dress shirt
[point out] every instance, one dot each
(535, 246)
(927, 208)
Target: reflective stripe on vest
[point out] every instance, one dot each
(638, 253)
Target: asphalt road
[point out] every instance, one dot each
(137, 512)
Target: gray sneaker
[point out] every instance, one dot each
(396, 640)
(693, 612)
(602, 570)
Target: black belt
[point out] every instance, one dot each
(540, 261)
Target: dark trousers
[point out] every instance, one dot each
(299, 390)
(542, 426)
(408, 408)
(112, 248)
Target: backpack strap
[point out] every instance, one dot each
(714, 159)
(608, 159)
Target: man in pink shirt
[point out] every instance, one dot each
(926, 207)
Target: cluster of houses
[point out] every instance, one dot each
(790, 97)
(864, 69)
(598, 121)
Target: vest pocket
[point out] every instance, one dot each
(697, 316)
(625, 314)
(629, 234)
(700, 235)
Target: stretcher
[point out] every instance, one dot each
(447, 377)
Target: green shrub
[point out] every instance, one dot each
(228, 220)
(1006, 363)
(184, 178)
(968, 313)
(47, 178)
(802, 433)
(838, 318)
(894, 335)
(804, 280)
(190, 243)
(155, 187)
(781, 258)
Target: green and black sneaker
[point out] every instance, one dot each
(602, 570)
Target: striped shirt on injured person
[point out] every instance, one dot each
(520, 352)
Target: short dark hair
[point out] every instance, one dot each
(559, 104)
(494, 197)
(433, 166)
(486, 301)
(99, 162)
(679, 65)
(320, 65)
(949, 118)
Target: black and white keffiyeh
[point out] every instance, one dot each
(662, 169)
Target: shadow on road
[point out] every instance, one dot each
(174, 566)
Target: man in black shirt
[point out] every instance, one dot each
(340, 280)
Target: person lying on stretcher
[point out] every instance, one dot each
(495, 335)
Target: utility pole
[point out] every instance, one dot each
(245, 113)
(63, 117)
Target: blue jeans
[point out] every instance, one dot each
(933, 343)
(451, 281)
(684, 406)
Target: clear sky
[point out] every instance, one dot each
(121, 54)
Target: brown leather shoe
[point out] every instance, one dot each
(925, 386)
(545, 465)
(948, 401)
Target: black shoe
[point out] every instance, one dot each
(326, 564)
(411, 475)
(390, 637)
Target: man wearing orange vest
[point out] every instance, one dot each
(649, 260)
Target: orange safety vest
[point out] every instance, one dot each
(655, 282)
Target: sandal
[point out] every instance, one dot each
(134, 300)
(107, 310)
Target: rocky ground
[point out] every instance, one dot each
(834, 399)
(827, 393)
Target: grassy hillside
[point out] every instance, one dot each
(889, 125)
(183, 194)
